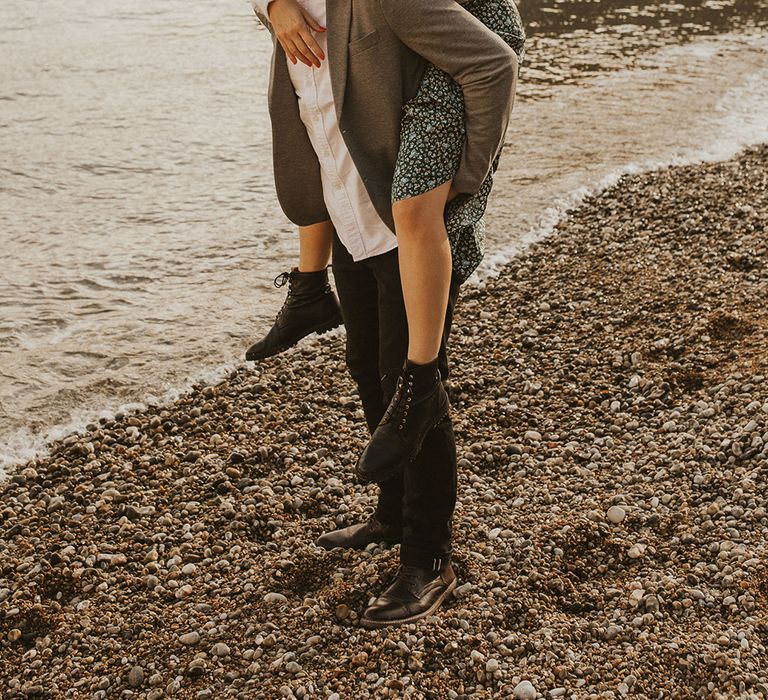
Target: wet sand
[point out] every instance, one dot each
(611, 408)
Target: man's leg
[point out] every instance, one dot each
(430, 480)
(359, 297)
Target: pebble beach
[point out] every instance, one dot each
(610, 399)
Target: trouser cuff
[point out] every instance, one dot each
(422, 559)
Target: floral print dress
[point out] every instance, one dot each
(432, 142)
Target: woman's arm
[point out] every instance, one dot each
(292, 26)
(446, 35)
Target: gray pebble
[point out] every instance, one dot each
(220, 649)
(524, 690)
(190, 638)
(616, 514)
(278, 598)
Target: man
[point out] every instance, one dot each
(336, 127)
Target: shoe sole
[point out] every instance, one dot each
(375, 624)
(360, 549)
(319, 330)
(397, 470)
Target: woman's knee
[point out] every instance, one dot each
(419, 212)
(407, 213)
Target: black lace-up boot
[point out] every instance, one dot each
(414, 594)
(310, 307)
(419, 404)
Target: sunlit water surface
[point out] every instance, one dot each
(138, 223)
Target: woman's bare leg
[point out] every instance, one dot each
(425, 269)
(315, 244)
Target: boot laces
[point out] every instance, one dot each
(282, 279)
(399, 407)
(411, 575)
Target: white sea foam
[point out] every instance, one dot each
(23, 445)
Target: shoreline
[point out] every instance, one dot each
(81, 382)
(618, 364)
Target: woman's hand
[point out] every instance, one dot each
(293, 28)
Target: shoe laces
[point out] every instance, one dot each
(411, 576)
(399, 407)
(282, 279)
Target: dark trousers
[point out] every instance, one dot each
(423, 499)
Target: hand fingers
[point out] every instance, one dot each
(305, 52)
(311, 22)
(296, 53)
(287, 51)
(312, 45)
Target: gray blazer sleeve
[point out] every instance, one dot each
(446, 35)
(260, 8)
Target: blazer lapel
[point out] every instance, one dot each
(339, 19)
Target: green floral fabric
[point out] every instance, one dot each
(432, 141)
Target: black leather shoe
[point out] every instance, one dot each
(361, 535)
(419, 404)
(414, 594)
(310, 307)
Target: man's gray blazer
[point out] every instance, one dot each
(378, 50)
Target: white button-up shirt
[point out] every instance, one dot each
(349, 205)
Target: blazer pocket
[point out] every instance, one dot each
(364, 43)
